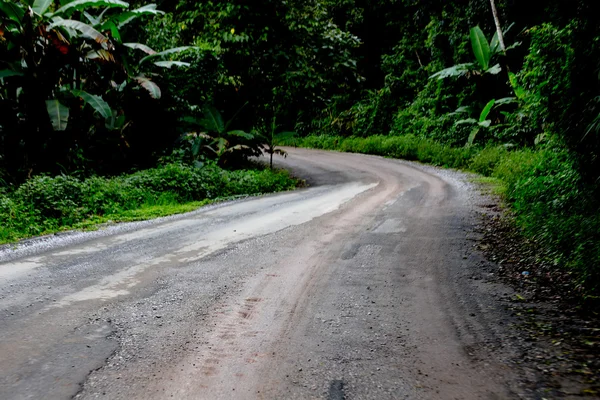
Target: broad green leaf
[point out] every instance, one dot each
(469, 121)
(7, 73)
(150, 86)
(455, 71)
(151, 8)
(506, 30)
(93, 20)
(40, 6)
(514, 45)
(506, 100)
(190, 120)
(494, 70)
(139, 46)
(222, 144)
(79, 5)
(213, 121)
(164, 53)
(495, 43)
(486, 110)
(96, 102)
(485, 124)
(12, 10)
(472, 136)
(86, 30)
(241, 134)
(115, 121)
(58, 113)
(461, 110)
(481, 48)
(169, 64)
(114, 31)
(126, 17)
(196, 146)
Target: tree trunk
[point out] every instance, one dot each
(498, 27)
(271, 163)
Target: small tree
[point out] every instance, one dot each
(270, 138)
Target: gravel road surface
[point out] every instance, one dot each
(366, 285)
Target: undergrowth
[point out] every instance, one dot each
(46, 204)
(551, 202)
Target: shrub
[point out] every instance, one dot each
(484, 162)
(45, 204)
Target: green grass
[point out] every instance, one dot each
(491, 185)
(45, 205)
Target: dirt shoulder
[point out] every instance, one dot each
(557, 336)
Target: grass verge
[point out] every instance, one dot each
(45, 205)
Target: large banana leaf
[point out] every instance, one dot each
(455, 71)
(472, 136)
(58, 113)
(495, 43)
(169, 64)
(481, 48)
(506, 100)
(241, 134)
(123, 19)
(7, 73)
(486, 110)
(213, 121)
(150, 86)
(12, 10)
(164, 53)
(40, 6)
(139, 46)
(494, 70)
(96, 102)
(115, 121)
(79, 5)
(86, 30)
(468, 121)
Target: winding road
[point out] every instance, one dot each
(365, 285)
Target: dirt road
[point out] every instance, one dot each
(366, 285)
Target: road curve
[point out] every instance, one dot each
(359, 287)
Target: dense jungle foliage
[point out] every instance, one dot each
(105, 87)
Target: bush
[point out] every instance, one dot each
(485, 161)
(45, 204)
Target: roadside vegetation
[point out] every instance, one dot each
(99, 99)
(44, 204)
(551, 203)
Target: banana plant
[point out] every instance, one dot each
(217, 139)
(483, 122)
(483, 52)
(76, 38)
(269, 138)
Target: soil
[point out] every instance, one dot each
(558, 334)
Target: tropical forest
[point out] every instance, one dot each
(115, 111)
